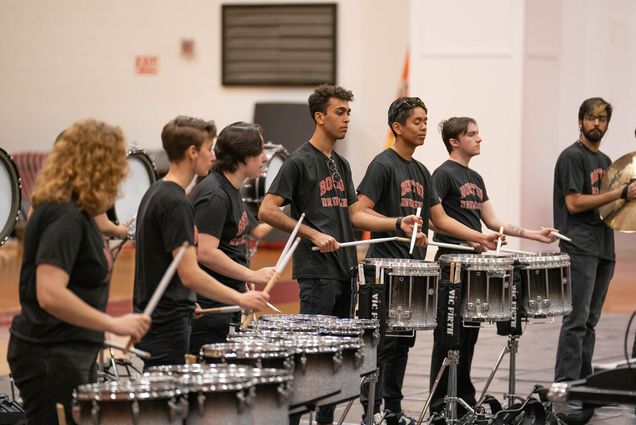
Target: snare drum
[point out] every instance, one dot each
(11, 194)
(254, 190)
(148, 400)
(402, 293)
(546, 288)
(141, 175)
(486, 285)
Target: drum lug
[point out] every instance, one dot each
(564, 281)
(135, 412)
(358, 359)
(201, 404)
(283, 394)
(288, 363)
(337, 361)
(470, 306)
(303, 363)
(375, 338)
(94, 413)
(259, 364)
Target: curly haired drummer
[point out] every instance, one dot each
(65, 273)
(464, 197)
(165, 222)
(396, 184)
(224, 225)
(316, 180)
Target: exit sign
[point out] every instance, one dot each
(146, 65)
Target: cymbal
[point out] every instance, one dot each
(620, 214)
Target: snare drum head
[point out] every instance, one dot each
(141, 175)
(10, 194)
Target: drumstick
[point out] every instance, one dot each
(442, 245)
(274, 278)
(499, 240)
(161, 288)
(61, 415)
(219, 310)
(560, 236)
(291, 238)
(419, 210)
(517, 251)
(139, 353)
(365, 242)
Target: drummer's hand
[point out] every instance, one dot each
(631, 191)
(253, 300)
(421, 239)
(197, 311)
(407, 224)
(479, 248)
(544, 234)
(490, 240)
(133, 324)
(325, 242)
(263, 275)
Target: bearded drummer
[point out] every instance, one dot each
(165, 223)
(464, 197)
(316, 180)
(65, 274)
(396, 184)
(224, 226)
(577, 181)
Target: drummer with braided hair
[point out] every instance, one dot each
(224, 225)
(66, 270)
(464, 197)
(396, 184)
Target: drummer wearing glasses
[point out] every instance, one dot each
(464, 197)
(576, 199)
(396, 184)
(316, 180)
(223, 223)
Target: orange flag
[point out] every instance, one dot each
(403, 90)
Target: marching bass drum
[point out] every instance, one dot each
(11, 193)
(253, 190)
(141, 175)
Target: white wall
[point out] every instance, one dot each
(467, 61)
(67, 59)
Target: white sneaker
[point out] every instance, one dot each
(378, 419)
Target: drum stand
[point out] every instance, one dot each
(104, 367)
(511, 348)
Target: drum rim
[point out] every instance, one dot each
(139, 389)
(476, 259)
(16, 196)
(554, 259)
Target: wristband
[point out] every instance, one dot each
(398, 223)
(624, 193)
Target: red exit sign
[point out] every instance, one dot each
(146, 64)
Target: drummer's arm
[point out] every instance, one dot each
(270, 213)
(491, 221)
(260, 231)
(109, 228)
(445, 224)
(579, 202)
(364, 217)
(213, 258)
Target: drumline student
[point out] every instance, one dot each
(65, 273)
(223, 223)
(464, 197)
(165, 222)
(316, 180)
(396, 184)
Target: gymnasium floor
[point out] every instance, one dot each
(535, 360)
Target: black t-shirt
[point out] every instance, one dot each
(64, 236)
(165, 221)
(219, 211)
(462, 192)
(398, 187)
(580, 170)
(306, 182)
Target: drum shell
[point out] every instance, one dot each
(11, 196)
(216, 399)
(270, 404)
(546, 285)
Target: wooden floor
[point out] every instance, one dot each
(535, 361)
